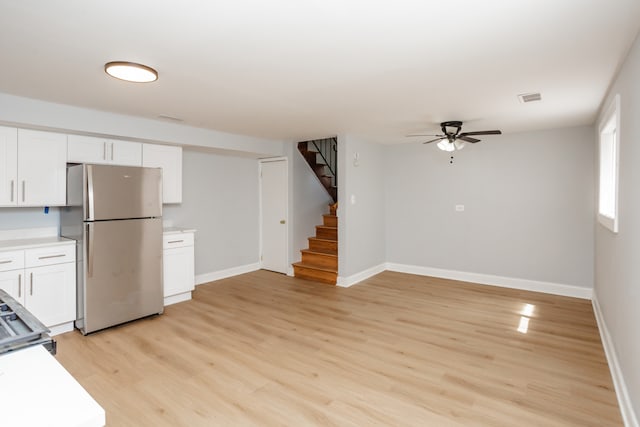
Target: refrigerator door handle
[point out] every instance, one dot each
(89, 251)
(90, 207)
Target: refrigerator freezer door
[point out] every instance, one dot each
(123, 272)
(122, 192)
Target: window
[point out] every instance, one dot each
(609, 161)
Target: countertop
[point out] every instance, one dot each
(37, 391)
(38, 242)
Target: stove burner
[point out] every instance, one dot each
(19, 328)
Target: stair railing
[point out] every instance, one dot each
(328, 150)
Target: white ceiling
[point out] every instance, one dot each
(294, 69)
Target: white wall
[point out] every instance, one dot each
(26, 112)
(308, 201)
(617, 262)
(220, 200)
(361, 225)
(528, 206)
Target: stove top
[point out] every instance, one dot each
(19, 328)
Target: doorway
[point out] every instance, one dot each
(274, 204)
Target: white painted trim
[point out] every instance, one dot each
(229, 272)
(174, 299)
(624, 400)
(287, 191)
(345, 282)
(61, 328)
(505, 282)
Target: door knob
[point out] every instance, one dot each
(282, 221)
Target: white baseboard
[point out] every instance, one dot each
(229, 272)
(624, 400)
(486, 279)
(345, 282)
(61, 328)
(174, 299)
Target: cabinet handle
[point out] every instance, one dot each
(6, 262)
(112, 151)
(31, 282)
(175, 241)
(23, 189)
(104, 151)
(19, 285)
(12, 189)
(51, 256)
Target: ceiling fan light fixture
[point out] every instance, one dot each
(445, 145)
(131, 72)
(459, 144)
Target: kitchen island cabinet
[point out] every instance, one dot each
(37, 391)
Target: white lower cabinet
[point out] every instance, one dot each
(50, 293)
(43, 280)
(178, 266)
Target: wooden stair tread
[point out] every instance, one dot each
(314, 267)
(316, 252)
(321, 239)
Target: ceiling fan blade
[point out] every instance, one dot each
(468, 139)
(434, 140)
(482, 132)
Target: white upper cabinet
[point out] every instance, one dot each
(32, 168)
(88, 149)
(169, 158)
(8, 166)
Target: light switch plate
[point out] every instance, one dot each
(459, 208)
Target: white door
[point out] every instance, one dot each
(274, 201)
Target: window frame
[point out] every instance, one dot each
(610, 124)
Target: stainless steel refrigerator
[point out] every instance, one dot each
(115, 215)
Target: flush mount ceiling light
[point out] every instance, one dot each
(131, 72)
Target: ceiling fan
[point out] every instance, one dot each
(452, 139)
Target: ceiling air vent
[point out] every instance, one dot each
(529, 97)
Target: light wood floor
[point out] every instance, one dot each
(397, 350)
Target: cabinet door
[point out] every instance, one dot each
(126, 153)
(12, 282)
(87, 149)
(51, 293)
(8, 166)
(168, 158)
(42, 168)
(178, 269)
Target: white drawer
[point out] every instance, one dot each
(11, 260)
(177, 240)
(49, 255)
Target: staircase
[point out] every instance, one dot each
(322, 157)
(320, 262)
